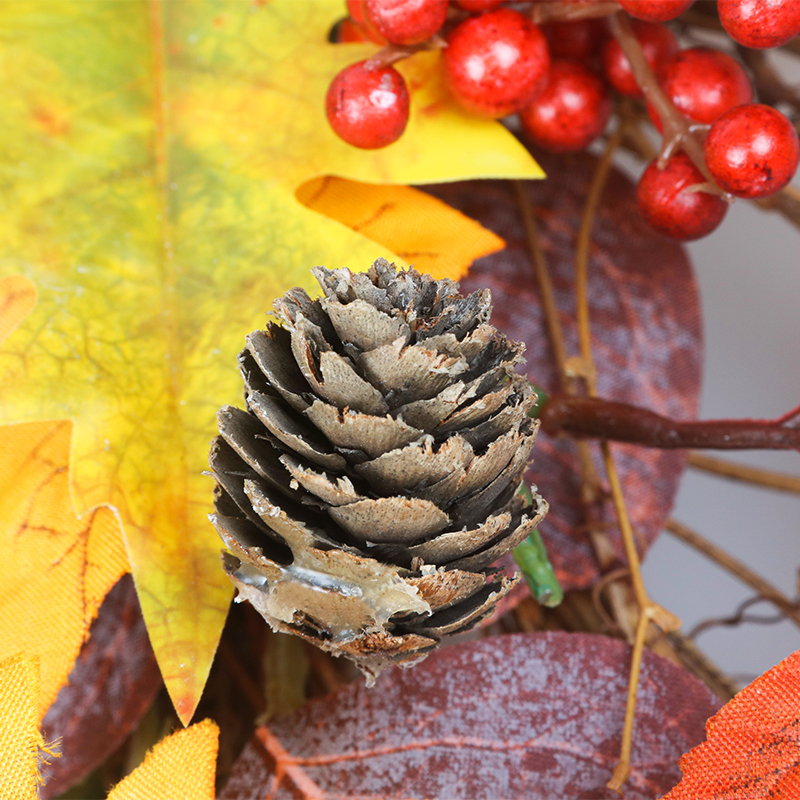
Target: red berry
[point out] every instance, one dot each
(655, 10)
(406, 21)
(703, 84)
(357, 11)
(496, 63)
(667, 206)
(752, 151)
(478, 6)
(760, 23)
(571, 111)
(578, 39)
(658, 44)
(368, 108)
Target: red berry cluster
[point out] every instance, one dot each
(495, 62)
(560, 77)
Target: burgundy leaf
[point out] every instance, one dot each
(645, 322)
(525, 715)
(110, 687)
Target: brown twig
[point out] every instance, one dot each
(560, 11)
(786, 202)
(770, 87)
(592, 417)
(592, 493)
(545, 284)
(677, 133)
(739, 617)
(392, 53)
(745, 473)
(648, 610)
(623, 767)
(735, 567)
(582, 256)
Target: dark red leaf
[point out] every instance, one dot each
(527, 715)
(110, 687)
(645, 321)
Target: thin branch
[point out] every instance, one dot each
(592, 417)
(745, 473)
(392, 53)
(560, 11)
(677, 133)
(543, 279)
(623, 768)
(770, 86)
(648, 610)
(739, 617)
(735, 567)
(786, 202)
(582, 249)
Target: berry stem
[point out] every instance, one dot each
(558, 11)
(392, 53)
(677, 132)
(592, 417)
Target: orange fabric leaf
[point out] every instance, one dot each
(20, 739)
(424, 231)
(753, 744)
(55, 569)
(181, 766)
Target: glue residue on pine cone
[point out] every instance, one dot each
(373, 479)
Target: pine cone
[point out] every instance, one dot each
(374, 478)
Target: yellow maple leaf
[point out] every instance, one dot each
(150, 157)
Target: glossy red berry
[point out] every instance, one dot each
(703, 84)
(760, 23)
(496, 63)
(571, 111)
(358, 14)
(579, 39)
(406, 21)
(658, 44)
(368, 108)
(752, 151)
(667, 206)
(655, 10)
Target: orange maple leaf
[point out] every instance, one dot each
(753, 745)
